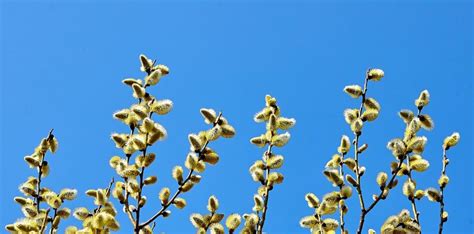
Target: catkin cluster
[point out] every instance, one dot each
(408, 155)
(145, 132)
(100, 220)
(261, 170)
(344, 172)
(212, 221)
(356, 118)
(37, 218)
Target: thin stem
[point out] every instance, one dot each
(51, 231)
(341, 214)
(356, 158)
(38, 186)
(127, 194)
(45, 221)
(412, 199)
(209, 224)
(261, 223)
(379, 197)
(320, 224)
(441, 188)
(179, 191)
(142, 172)
(112, 181)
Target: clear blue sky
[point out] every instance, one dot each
(62, 63)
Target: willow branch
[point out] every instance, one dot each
(341, 214)
(379, 197)
(112, 181)
(356, 158)
(412, 199)
(179, 190)
(51, 231)
(40, 174)
(142, 172)
(261, 222)
(127, 194)
(45, 221)
(441, 188)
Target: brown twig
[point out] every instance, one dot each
(261, 222)
(379, 197)
(40, 174)
(356, 158)
(112, 181)
(51, 231)
(441, 188)
(45, 221)
(341, 214)
(412, 199)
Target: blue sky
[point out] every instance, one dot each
(62, 63)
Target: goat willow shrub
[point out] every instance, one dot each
(44, 208)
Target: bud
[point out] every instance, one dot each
(212, 204)
(382, 179)
(419, 194)
(333, 177)
(259, 141)
(146, 63)
(406, 115)
(281, 139)
(68, 194)
(443, 181)
(433, 194)
(409, 189)
(313, 201)
(227, 131)
(285, 123)
(346, 192)
(164, 195)
(81, 213)
(153, 78)
(197, 220)
(426, 122)
(191, 161)
(180, 203)
(357, 125)
(214, 133)
(309, 222)
(162, 107)
(371, 104)
(178, 174)
(138, 91)
(370, 115)
(258, 203)
(275, 178)
(150, 180)
(275, 162)
(375, 74)
(131, 81)
(451, 141)
(32, 161)
(233, 221)
(351, 180)
(353, 90)
(362, 148)
(423, 99)
(345, 145)
(209, 115)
